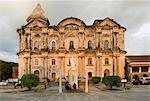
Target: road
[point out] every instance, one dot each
(95, 94)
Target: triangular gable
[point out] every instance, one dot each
(110, 22)
(70, 35)
(53, 35)
(36, 23)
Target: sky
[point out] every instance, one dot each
(134, 15)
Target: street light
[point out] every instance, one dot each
(60, 81)
(86, 82)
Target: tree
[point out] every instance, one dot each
(30, 80)
(112, 81)
(96, 80)
(6, 69)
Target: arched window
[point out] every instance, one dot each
(89, 44)
(36, 45)
(53, 45)
(36, 61)
(53, 61)
(98, 44)
(106, 44)
(71, 45)
(89, 61)
(69, 61)
(106, 61)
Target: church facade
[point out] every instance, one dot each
(45, 50)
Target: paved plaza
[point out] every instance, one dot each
(95, 94)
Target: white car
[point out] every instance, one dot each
(146, 80)
(3, 83)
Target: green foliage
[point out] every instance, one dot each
(112, 81)
(96, 80)
(30, 80)
(6, 69)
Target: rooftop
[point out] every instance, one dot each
(142, 58)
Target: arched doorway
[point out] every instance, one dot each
(37, 73)
(106, 72)
(53, 76)
(145, 75)
(89, 74)
(135, 77)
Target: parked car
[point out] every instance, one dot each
(4, 83)
(11, 80)
(145, 80)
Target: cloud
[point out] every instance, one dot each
(133, 15)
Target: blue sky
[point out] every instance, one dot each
(134, 15)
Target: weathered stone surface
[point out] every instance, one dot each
(45, 50)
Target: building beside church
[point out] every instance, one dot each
(45, 50)
(138, 66)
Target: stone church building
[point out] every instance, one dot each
(45, 49)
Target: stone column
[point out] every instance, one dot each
(28, 65)
(115, 39)
(96, 66)
(79, 66)
(63, 66)
(100, 67)
(60, 76)
(83, 66)
(61, 40)
(45, 65)
(114, 65)
(46, 41)
(148, 69)
(117, 65)
(130, 69)
(86, 81)
(20, 45)
(117, 35)
(26, 41)
(82, 40)
(99, 40)
(140, 70)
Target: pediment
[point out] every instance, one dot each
(71, 35)
(35, 23)
(53, 35)
(109, 22)
(89, 35)
(106, 27)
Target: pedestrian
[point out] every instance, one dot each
(45, 84)
(74, 86)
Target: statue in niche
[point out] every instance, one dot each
(72, 60)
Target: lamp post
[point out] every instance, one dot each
(60, 81)
(86, 82)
